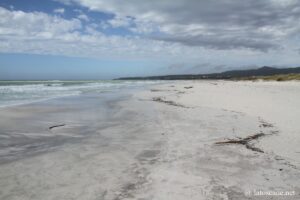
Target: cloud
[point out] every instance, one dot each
(254, 24)
(176, 66)
(120, 22)
(231, 33)
(20, 25)
(41, 33)
(205, 68)
(221, 42)
(83, 17)
(194, 68)
(59, 10)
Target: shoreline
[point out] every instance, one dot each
(163, 141)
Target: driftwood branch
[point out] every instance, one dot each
(55, 126)
(245, 141)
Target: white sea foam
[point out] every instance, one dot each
(16, 92)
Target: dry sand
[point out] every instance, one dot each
(158, 143)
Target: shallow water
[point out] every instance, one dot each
(24, 129)
(22, 92)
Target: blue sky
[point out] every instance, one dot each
(98, 39)
(40, 67)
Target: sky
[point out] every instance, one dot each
(101, 39)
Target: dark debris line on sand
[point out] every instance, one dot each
(245, 141)
(265, 124)
(172, 103)
(157, 90)
(55, 126)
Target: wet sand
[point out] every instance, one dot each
(155, 143)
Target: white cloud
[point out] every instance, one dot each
(59, 10)
(254, 24)
(83, 17)
(35, 25)
(41, 33)
(120, 22)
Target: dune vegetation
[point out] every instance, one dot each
(280, 77)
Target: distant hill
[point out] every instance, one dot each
(263, 71)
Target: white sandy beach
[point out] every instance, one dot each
(157, 143)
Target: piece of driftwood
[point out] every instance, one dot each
(189, 87)
(55, 126)
(245, 141)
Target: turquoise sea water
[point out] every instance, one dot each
(22, 92)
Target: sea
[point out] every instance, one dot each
(24, 92)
